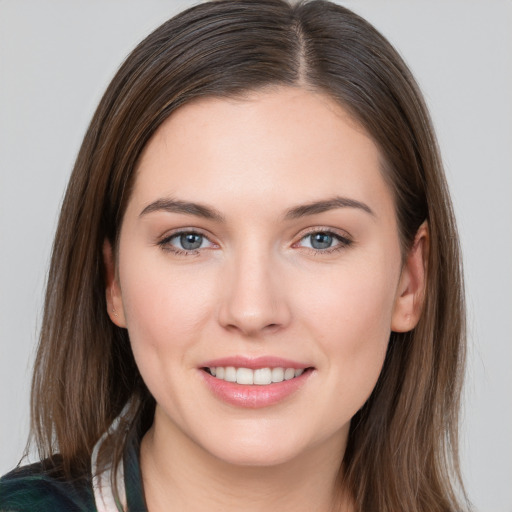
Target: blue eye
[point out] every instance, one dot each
(185, 242)
(324, 241)
(190, 241)
(321, 240)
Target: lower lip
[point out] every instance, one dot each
(254, 396)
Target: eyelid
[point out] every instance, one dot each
(343, 237)
(163, 241)
(339, 233)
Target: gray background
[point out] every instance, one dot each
(56, 58)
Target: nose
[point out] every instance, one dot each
(253, 296)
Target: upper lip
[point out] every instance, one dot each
(255, 362)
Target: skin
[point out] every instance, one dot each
(256, 287)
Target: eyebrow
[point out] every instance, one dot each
(188, 208)
(207, 212)
(317, 207)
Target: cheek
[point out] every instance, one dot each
(352, 300)
(350, 317)
(165, 307)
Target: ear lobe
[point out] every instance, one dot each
(412, 285)
(112, 289)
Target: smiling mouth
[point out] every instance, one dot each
(258, 377)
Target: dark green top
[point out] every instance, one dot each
(41, 488)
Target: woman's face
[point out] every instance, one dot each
(260, 235)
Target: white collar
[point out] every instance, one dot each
(102, 482)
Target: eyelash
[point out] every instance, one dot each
(343, 242)
(167, 247)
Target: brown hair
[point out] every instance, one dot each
(402, 447)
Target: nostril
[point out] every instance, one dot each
(272, 327)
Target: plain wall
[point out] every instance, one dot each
(56, 58)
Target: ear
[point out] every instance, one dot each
(112, 289)
(411, 287)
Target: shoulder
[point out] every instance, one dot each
(42, 487)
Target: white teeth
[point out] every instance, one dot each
(277, 374)
(230, 374)
(289, 373)
(244, 376)
(263, 376)
(260, 377)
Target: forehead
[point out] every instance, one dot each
(274, 146)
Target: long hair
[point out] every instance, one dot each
(402, 446)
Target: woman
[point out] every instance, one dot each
(255, 297)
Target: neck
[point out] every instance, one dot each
(179, 475)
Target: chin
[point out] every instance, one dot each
(255, 451)
(256, 456)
